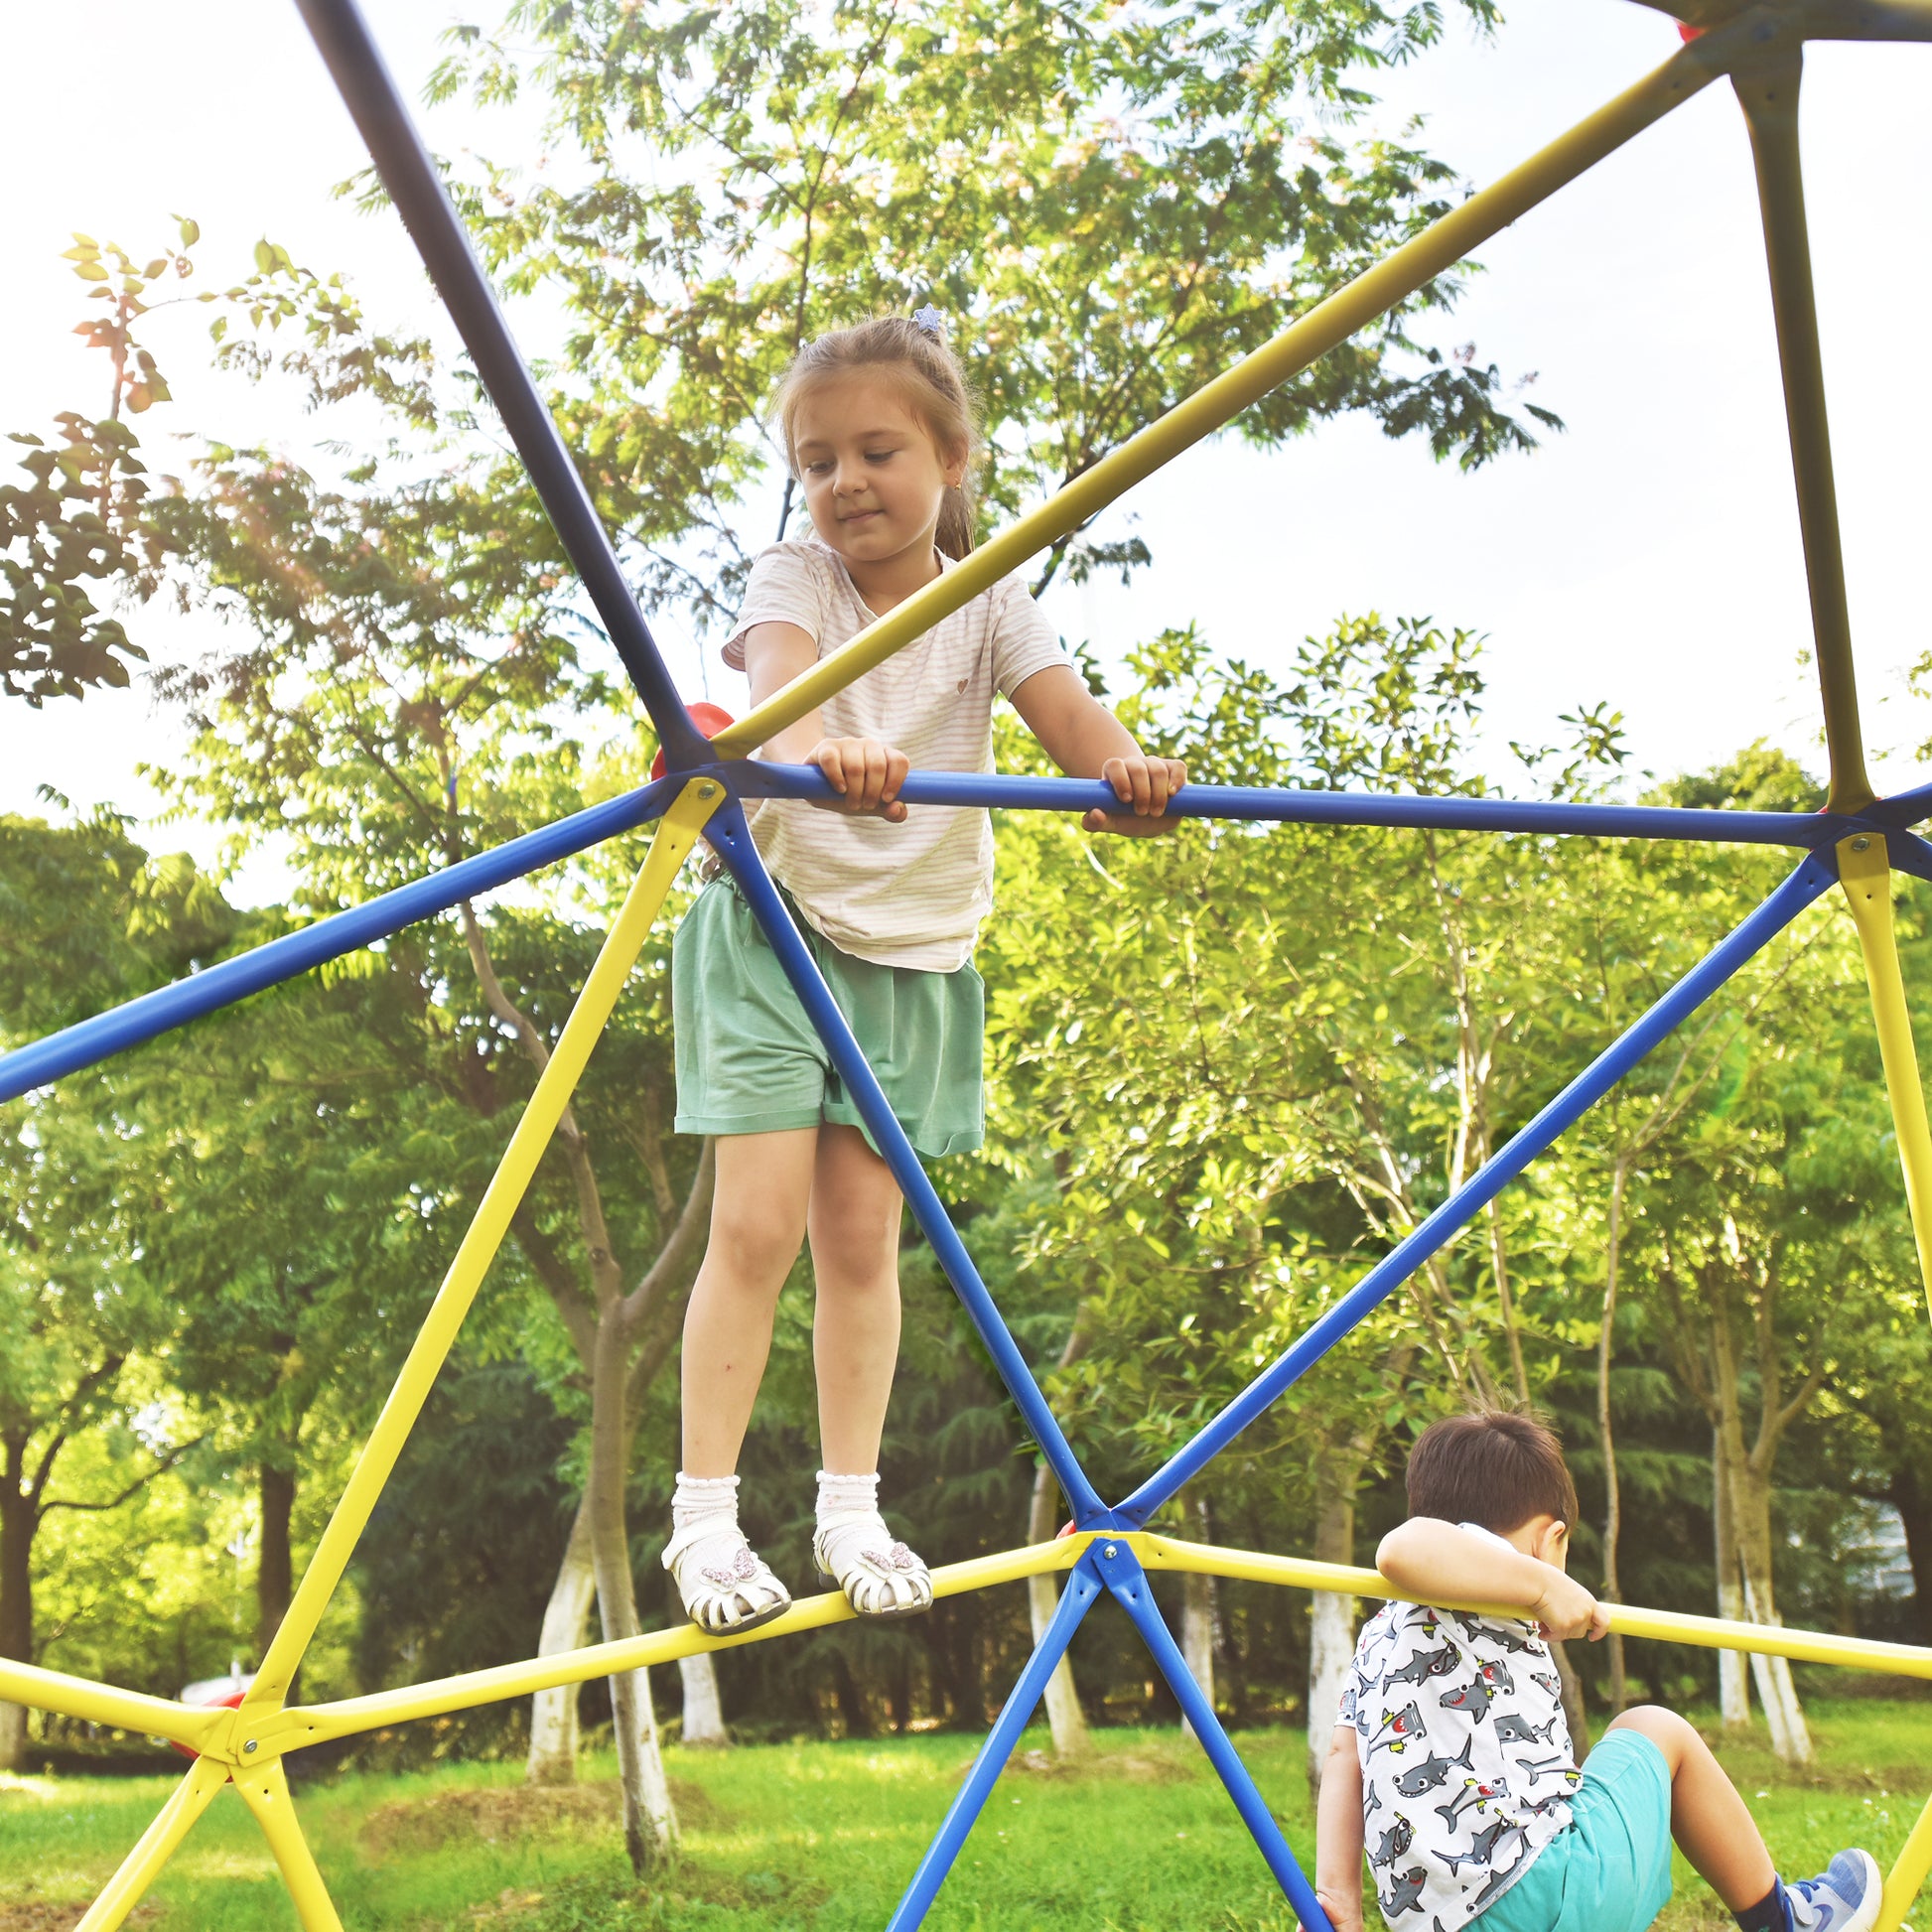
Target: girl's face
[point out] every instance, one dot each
(874, 479)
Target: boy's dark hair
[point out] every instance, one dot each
(1489, 1467)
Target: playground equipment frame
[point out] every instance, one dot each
(1857, 842)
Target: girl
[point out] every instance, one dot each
(880, 433)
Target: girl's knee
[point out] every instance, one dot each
(752, 1251)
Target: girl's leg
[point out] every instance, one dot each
(758, 1220)
(853, 1221)
(1711, 1823)
(855, 1216)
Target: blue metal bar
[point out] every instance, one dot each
(281, 959)
(754, 778)
(1908, 853)
(370, 94)
(1127, 1583)
(1813, 877)
(1082, 1592)
(1902, 807)
(731, 841)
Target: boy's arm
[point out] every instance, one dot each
(1339, 1833)
(1086, 741)
(1442, 1564)
(865, 771)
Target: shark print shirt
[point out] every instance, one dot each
(1467, 1765)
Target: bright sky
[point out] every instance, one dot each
(1649, 557)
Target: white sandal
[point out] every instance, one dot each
(725, 1585)
(880, 1576)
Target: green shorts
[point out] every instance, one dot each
(1609, 1870)
(749, 1062)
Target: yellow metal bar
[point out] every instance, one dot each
(1376, 290)
(1667, 1626)
(265, 1791)
(101, 1704)
(1865, 874)
(1907, 1874)
(142, 1865)
(289, 1730)
(676, 838)
(1769, 94)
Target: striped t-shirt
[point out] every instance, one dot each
(910, 894)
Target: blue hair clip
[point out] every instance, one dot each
(930, 321)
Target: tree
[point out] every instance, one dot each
(1113, 207)
(89, 917)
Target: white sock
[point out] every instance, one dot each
(846, 1495)
(705, 1502)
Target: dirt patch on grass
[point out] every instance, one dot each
(491, 1815)
(46, 1915)
(1142, 1765)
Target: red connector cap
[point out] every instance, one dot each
(710, 719)
(228, 1701)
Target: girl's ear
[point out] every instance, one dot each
(952, 465)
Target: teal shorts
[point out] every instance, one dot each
(1609, 1870)
(749, 1062)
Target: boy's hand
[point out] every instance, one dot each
(1143, 786)
(1344, 1914)
(1567, 1610)
(864, 773)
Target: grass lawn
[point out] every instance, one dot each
(823, 1838)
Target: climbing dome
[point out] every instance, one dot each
(1857, 841)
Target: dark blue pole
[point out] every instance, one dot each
(296, 953)
(1902, 807)
(409, 176)
(752, 778)
(1908, 853)
(1082, 1588)
(1128, 1581)
(1810, 879)
(731, 841)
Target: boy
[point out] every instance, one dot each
(1450, 1762)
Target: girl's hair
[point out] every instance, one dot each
(920, 362)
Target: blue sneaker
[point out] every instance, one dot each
(1843, 1897)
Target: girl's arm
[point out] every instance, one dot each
(1086, 741)
(1339, 1833)
(866, 772)
(1442, 1564)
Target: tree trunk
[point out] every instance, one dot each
(650, 1823)
(1750, 1523)
(1064, 1718)
(553, 1712)
(1331, 1628)
(1613, 1592)
(1790, 1737)
(1914, 1508)
(1197, 1615)
(18, 1519)
(1574, 1714)
(704, 1712)
(275, 1570)
(1734, 1675)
